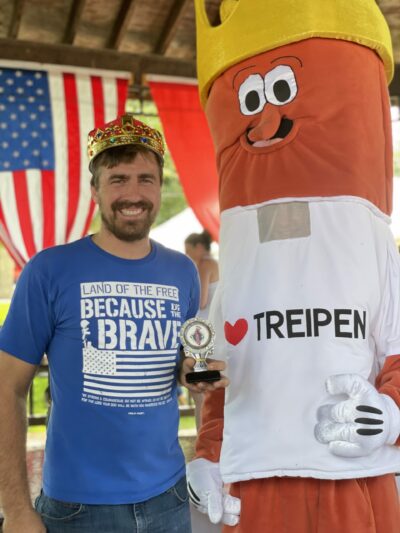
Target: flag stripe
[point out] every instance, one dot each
(122, 95)
(126, 387)
(86, 120)
(48, 198)
(74, 155)
(110, 95)
(100, 379)
(98, 113)
(5, 238)
(7, 194)
(34, 185)
(23, 210)
(142, 374)
(59, 119)
(144, 367)
(127, 394)
(98, 101)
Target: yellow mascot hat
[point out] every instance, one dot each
(250, 27)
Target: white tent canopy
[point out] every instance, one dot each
(175, 230)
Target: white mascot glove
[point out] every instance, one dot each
(361, 424)
(206, 492)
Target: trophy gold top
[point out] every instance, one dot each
(197, 336)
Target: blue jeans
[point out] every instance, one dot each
(166, 513)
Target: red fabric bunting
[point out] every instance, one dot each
(189, 141)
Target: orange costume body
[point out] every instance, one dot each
(307, 123)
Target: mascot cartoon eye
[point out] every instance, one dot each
(251, 95)
(280, 85)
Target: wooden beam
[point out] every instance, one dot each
(63, 54)
(16, 19)
(171, 26)
(121, 23)
(74, 18)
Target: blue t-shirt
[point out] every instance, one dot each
(110, 328)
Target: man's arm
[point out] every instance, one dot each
(15, 498)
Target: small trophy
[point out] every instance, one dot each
(197, 338)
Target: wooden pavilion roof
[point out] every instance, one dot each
(142, 36)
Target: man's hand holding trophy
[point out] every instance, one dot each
(198, 372)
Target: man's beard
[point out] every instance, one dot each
(129, 230)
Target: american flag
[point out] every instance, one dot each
(129, 373)
(45, 116)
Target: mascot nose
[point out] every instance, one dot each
(267, 126)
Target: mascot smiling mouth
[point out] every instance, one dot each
(285, 127)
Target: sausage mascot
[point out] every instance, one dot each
(307, 313)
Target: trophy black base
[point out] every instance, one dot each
(204, 375)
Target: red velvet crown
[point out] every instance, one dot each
(123, 131)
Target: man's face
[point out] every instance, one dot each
(129, 197)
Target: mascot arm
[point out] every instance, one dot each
(205, 485)
(388, 381)
(370, 417)
(209, 441)
(388, 330)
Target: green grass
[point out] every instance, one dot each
(4, 305)
(39, 397)
(37, 429)
(39, 401)
(187, 422)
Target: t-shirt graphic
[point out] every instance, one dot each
(130, 342)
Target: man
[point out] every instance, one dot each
(308, 305)
(106, 310)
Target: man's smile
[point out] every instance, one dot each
(132, 212)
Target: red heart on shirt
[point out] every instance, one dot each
(234, 334)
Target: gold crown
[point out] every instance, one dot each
(123, 131)
(250, 27)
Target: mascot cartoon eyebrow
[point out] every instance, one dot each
(307, 312)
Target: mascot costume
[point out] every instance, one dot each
(307, 312)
